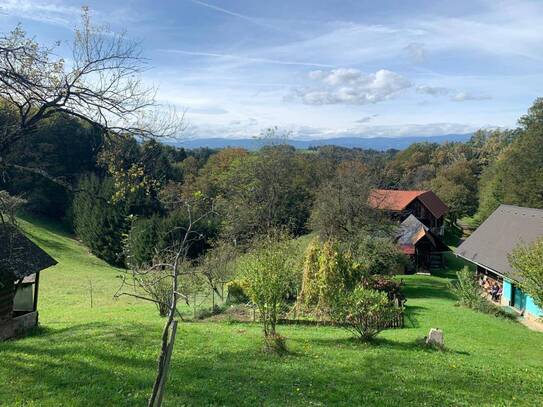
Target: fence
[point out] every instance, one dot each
(395, 322)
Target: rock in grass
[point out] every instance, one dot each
(435, 338)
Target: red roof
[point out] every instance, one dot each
(398, 200)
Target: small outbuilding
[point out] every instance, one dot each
(21, 262)
(489, 247)
(424, 248)
(425, 205)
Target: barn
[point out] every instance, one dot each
(425, 205)
(423, 247)
(21, 262)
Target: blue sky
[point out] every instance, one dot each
(324, 68)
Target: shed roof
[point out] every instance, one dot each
(19, 256)
(495, 239)
(412, 231)
(398, 200)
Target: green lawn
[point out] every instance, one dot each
(105, 355)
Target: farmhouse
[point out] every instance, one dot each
(423, 247)
(490, 245)
(20, 264)
(424, 205)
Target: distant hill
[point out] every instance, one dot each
(375, 143)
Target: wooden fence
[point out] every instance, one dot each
(397, 321)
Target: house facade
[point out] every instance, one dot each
(21, 262)
(400, 204)
(489, 247)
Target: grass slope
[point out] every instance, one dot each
(106, 355)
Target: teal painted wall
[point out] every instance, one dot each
(507, 290)
(530, 307)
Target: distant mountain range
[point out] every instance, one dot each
(375, 143)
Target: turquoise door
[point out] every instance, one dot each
(519, 299)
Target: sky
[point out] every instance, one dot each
(322, 69)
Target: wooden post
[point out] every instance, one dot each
(90, 283)
(212, 300)
(36, 290)
(164, 379)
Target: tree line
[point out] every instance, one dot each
(324, 189)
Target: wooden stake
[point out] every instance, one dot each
(164, 379)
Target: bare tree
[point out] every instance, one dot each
(217, 267)
(101, 84)
(161, 284)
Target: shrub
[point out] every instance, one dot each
(471, 295)
(378, 255)
(209, 312)
(267, 276)
(467, 290)
(236, 294)
(391, 287)
(363, 311)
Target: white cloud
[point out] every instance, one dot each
(351, 86)
(410, 129)
(455, 95)
(467, 96)
(433, 90)
(244, 58)
(366, 119)
(416, 52)
(43, 11)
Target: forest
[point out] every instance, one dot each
(117, 195)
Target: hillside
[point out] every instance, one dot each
(105, 355)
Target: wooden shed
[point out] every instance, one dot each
(21, 262)
(400, 204)
(424, 248)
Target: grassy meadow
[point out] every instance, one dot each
(105, 355)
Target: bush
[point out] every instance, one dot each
(391, 287)
(236, 294)
(467, 290)
(209, 312)
(471, 295)
(363, 311)
(267, 278)
(378, 255)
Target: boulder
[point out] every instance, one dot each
(435, 338)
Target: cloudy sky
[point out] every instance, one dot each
(320, 68)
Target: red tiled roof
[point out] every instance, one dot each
(397, 200)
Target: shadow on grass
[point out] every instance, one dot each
(353, 342)
(411, 315)
(93, 364)
(428, 288)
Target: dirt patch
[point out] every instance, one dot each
(533, 324)
(234, 313)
